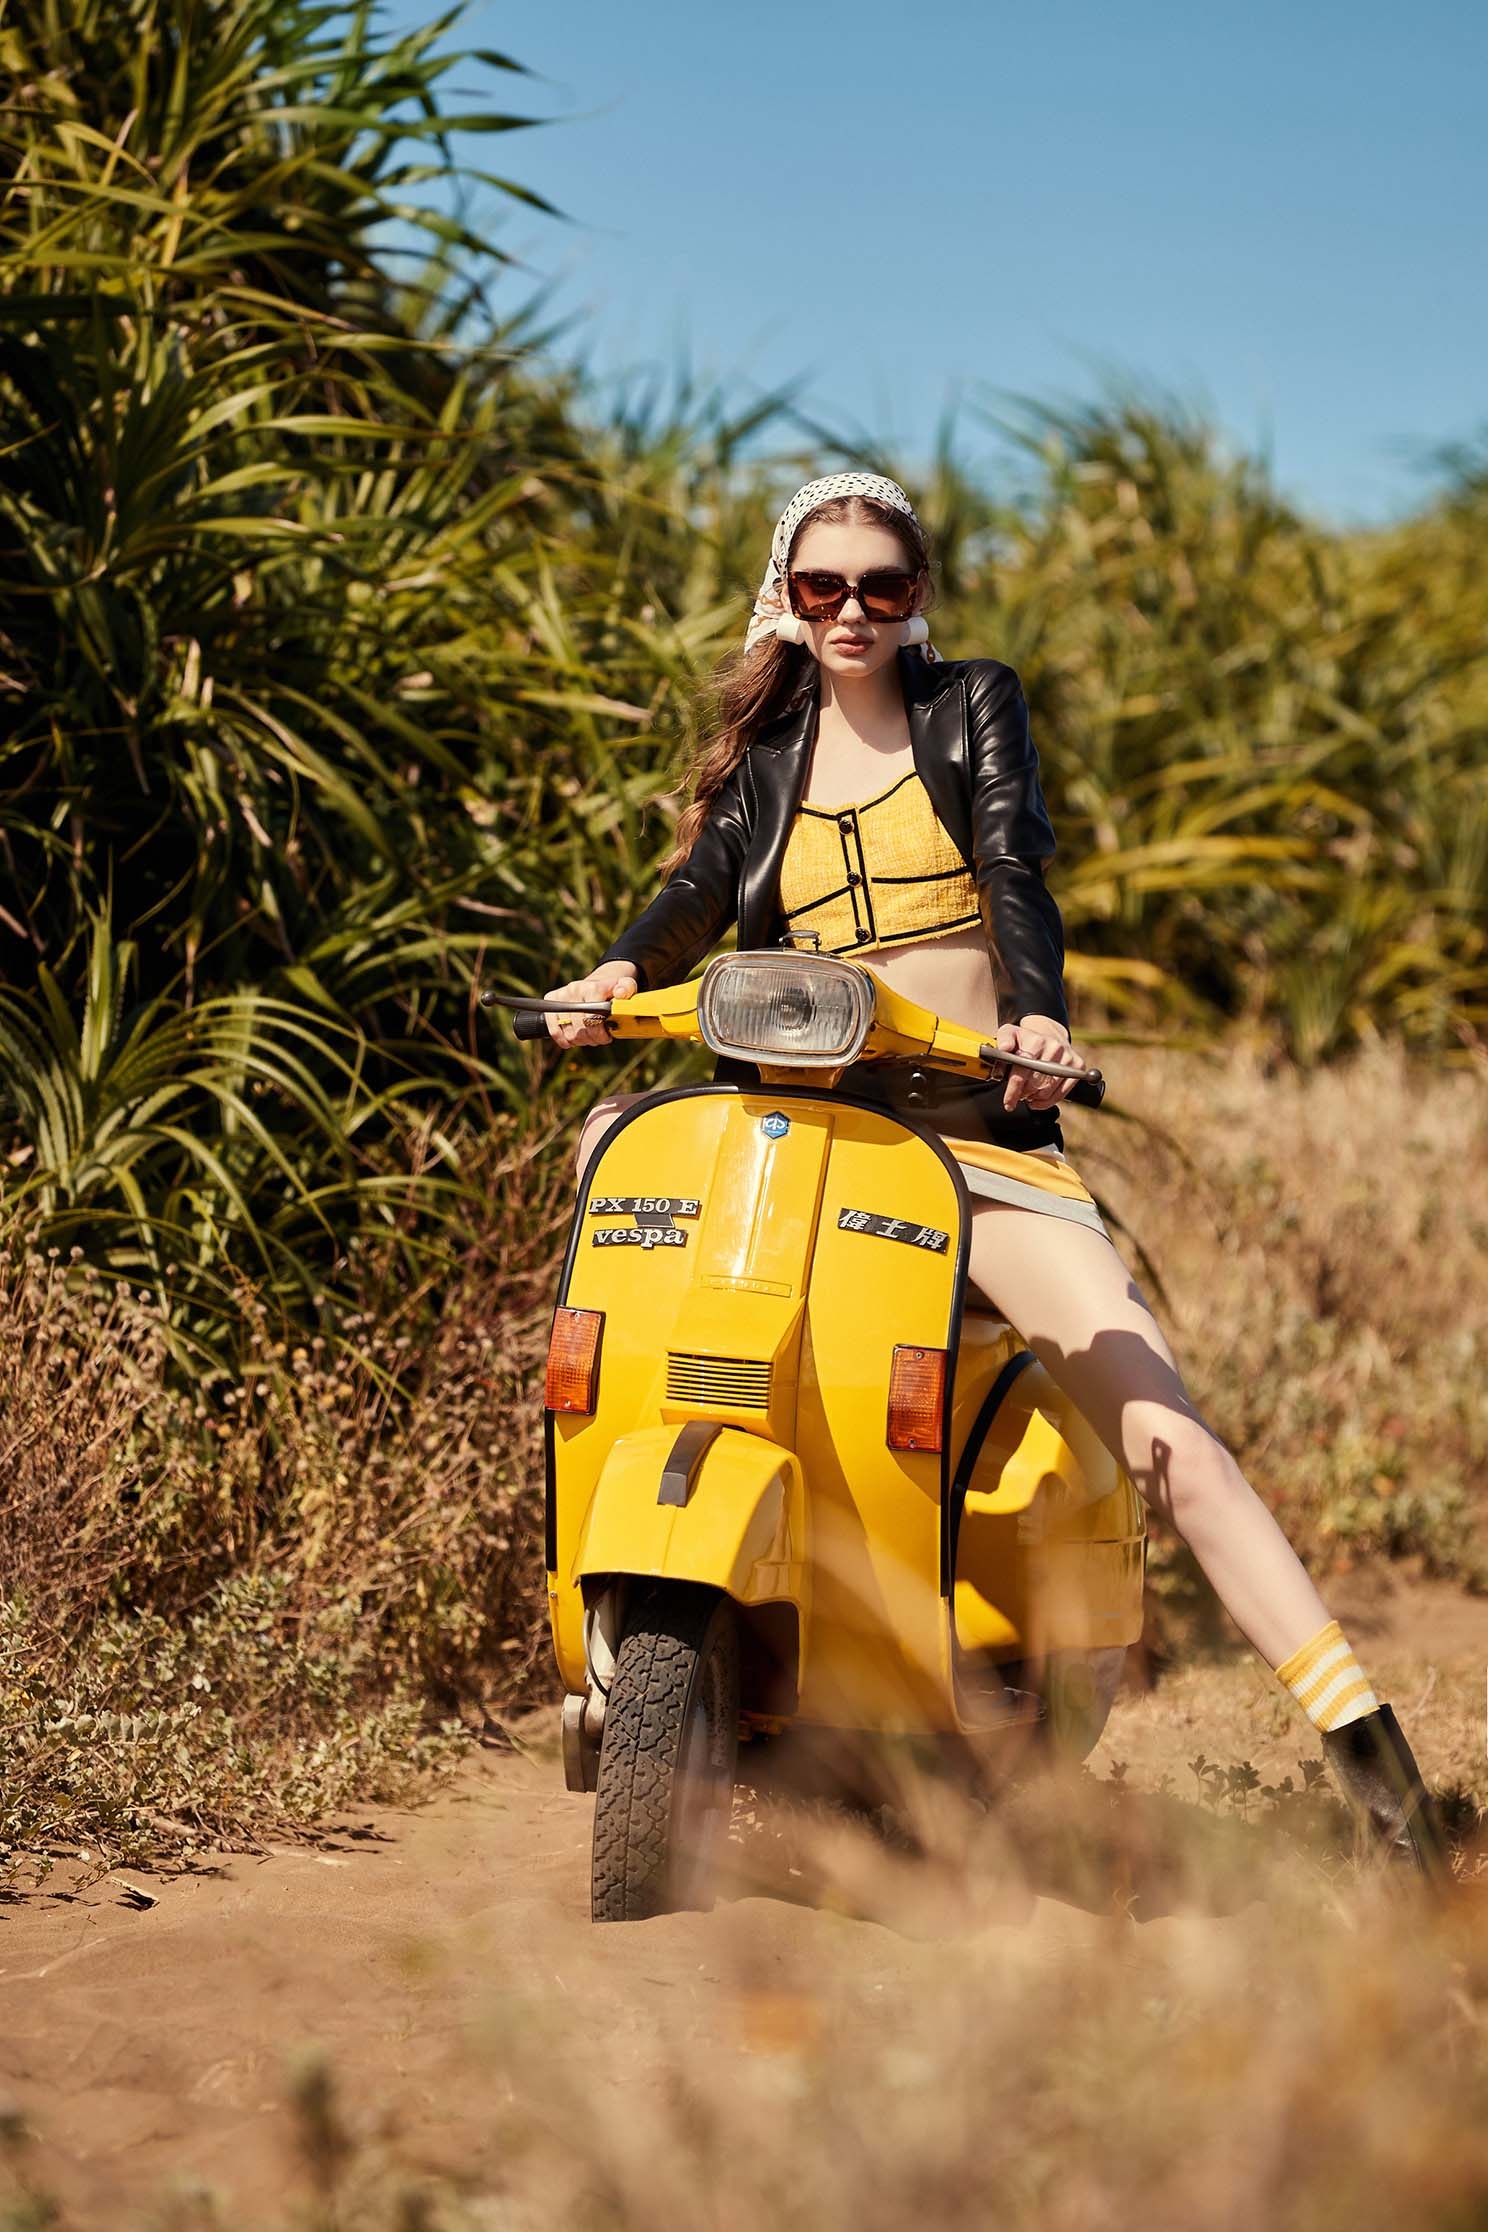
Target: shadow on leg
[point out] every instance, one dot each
(1081, 1312)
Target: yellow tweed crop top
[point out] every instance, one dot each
(878, 873)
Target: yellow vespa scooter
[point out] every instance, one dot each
(798, 1479)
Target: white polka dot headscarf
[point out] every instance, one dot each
(770, 603)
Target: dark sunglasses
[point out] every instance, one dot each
(888, 593)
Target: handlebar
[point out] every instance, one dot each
(529, 1022)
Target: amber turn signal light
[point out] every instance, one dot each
(916, 1398)
(573, 1361)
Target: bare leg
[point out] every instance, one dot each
(597, 1123)
(1077, 1306)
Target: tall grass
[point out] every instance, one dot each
(307, 619)
(1267, 742)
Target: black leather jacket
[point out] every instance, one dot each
(968, 724)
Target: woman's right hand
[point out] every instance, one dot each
(612, 980)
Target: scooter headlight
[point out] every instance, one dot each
(792, 1010)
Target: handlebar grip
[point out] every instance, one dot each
(529, 1023)
(1090, 1090)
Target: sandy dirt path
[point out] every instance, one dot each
(147, 2046)
(144, 2046)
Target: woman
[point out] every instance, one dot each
(865, 796)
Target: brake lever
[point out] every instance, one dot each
(525, 1005)
(1003, 1054)
(1090, 1085)
(528, 1016)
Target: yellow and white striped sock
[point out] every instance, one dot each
(1327, 1680)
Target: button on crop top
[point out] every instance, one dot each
(881, 872)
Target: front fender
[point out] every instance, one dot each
(742, 1528)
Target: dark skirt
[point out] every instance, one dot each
(951, 1106)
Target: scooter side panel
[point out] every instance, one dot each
(884, 1274)
(1050, 1547)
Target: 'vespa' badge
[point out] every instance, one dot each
(774, 1126)
(652, 1215)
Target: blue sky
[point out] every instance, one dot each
(1276, 211)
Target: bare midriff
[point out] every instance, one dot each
(950, 974)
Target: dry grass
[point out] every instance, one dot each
(1160, 1990)
(1082, 2008)
(1314, 2064)
(233, 1608)
(1322, 1239)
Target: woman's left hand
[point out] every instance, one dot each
(1046, 1041)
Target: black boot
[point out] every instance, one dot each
(1374, 1768)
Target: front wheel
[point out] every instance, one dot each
(670, 1745)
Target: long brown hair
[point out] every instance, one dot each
(751, 688)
